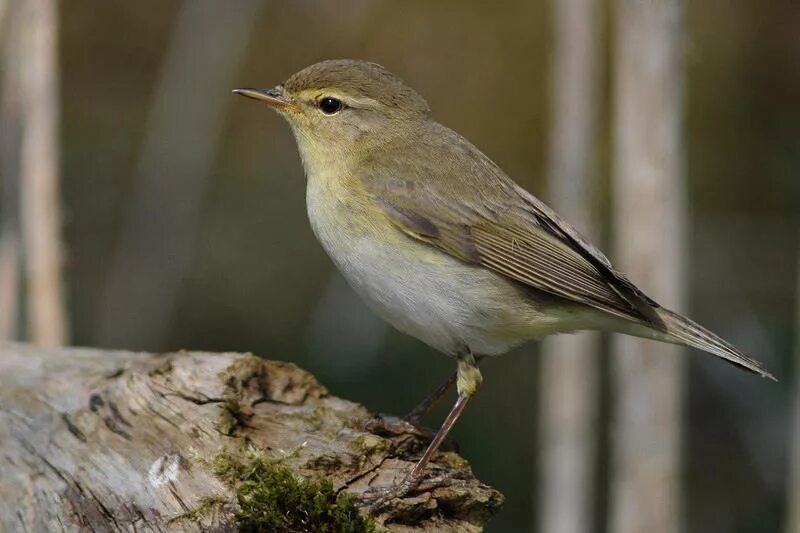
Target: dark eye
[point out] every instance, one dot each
(329, 105)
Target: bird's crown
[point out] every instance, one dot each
(358, 78)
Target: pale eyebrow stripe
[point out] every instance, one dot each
(354, 101)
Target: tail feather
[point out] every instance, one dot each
(684, 331)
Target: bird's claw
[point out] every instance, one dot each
(396, 426)
(376, 498)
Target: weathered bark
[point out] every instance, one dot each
(96, 440)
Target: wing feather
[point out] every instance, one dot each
(486, 219)
(533, 259)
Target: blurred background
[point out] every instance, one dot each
(183, 224)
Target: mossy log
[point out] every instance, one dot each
(121, 441)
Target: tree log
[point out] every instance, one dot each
(121, 441)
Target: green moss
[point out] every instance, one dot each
(232, 415)
(369, 443)
(270, 498)
(242, 375)
(324, 464)
(209, 507)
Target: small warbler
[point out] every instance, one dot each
(441, 243)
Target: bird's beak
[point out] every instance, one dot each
(273, 97)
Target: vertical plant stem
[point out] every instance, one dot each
(39, 174)
(569, 380)
(793, 489)
(9, 175)
(158, 231)
(649, 219)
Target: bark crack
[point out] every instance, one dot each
(113, 461)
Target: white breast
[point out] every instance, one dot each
(425, 293)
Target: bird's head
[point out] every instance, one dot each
(336, 107)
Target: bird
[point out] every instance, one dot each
(444, 245)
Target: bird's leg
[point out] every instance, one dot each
(416, 414)
(411, 423)
(468, 380)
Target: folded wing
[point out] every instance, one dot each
(514, 234)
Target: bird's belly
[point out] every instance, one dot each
(440, 303)
(428, 294)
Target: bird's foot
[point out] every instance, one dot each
(391, 426)
(377, 498)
